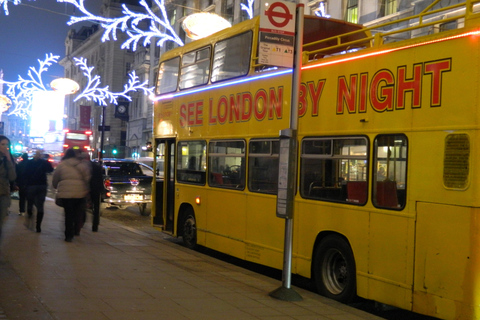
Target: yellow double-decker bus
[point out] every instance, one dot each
(387, 201)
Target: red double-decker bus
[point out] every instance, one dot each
(77, 139)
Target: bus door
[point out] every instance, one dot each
(165, 187)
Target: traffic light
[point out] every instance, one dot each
(114, 150)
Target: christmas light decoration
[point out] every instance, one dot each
(129, 23)
(4, 4)
(21, 91)
(249, 8)
(101, 95)
(322, 11)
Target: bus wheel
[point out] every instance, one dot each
(190, 230)
(143, 209)
(334, 269)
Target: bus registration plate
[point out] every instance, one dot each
(133, 197)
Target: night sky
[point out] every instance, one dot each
(32, 30)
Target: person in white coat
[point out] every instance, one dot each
(71, 179)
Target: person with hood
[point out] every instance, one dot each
(71, 179)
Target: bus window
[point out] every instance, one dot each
(195, 68)
(168, 76)
(390, 171)
(231, 57)
(226, 161)
(191, 162)
(334, 169)
(263, 166)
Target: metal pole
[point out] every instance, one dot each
(100, 153)
(286, 292)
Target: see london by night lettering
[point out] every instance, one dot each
(385, 90)
(240, 107)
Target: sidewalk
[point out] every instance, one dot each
(121, 273)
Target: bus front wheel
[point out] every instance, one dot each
(334, 269)
(190, 230)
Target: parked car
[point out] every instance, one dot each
(127, 183)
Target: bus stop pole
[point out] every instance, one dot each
(102, 139)
(288, 168)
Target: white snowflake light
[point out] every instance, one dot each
(4, 4)
(249, 8)
(129, 23)
(93, 92)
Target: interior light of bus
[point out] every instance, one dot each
(197, 200)
(322, 64)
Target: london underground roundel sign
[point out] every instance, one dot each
(278, 16)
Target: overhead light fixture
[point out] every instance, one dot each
(5, 103)
(65, 86)
(202, 24)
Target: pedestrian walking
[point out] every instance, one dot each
(7, 177)
(71, 179)
(36, 179)
(21, 182)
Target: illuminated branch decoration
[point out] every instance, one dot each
(249, 8)
(101, 95)
(4, 4)
(21, 92)
(129, 24)
(322, 11)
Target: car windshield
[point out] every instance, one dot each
(122, 169)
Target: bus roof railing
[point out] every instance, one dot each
(375, 38)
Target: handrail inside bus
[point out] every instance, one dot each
(374, 37)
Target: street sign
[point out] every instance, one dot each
(277, 33)
(107, 128)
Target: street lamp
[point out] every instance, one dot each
(5, 103)
(65, 86)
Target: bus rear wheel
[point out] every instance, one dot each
(334, 269)
(189, 234)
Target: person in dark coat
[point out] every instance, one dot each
(22, 184)
(36, 172)
(96, 187)
(7, 176)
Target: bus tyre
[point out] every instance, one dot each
(334, 269)
(190, 230)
